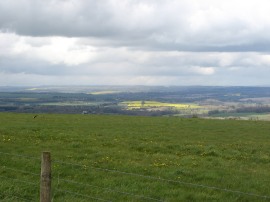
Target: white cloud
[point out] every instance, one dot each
(64, 50)
(55, 50)
(203, 70)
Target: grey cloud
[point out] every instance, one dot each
(64, 18)
(154, 25)
(16, 65)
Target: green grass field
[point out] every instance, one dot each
(201, 160)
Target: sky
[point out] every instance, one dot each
(135, 42)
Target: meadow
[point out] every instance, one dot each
(133, 158)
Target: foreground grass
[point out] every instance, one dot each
(226, 154)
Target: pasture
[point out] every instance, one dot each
(123, 158)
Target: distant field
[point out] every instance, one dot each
(123, 158)
(104, 92)
(254, 116)
(154, 104)
(265, 117)
(75, 103)
(27, 99)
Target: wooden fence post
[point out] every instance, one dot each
(45, 177)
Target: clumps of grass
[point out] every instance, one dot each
(228, 154)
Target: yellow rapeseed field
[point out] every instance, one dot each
(154, 104)
(103, 92)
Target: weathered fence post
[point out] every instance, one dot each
(45, 177)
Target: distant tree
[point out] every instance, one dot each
(142, 103)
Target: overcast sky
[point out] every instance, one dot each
(134, 42)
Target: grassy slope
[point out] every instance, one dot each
(223, 153)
